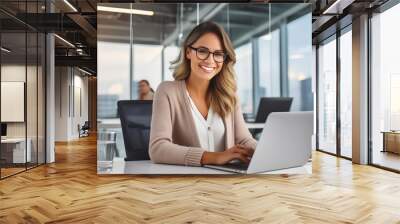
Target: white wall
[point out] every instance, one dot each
(62, 81)
(71, 87)
(34, 124)
(17, 73)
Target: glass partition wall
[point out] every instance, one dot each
(385, 89)
(335, 112)
(22, 77)
(272, 44)
(327, 95)
(334, 60)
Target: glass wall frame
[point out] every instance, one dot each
(339, 102)
(384, 86)
(22, 62)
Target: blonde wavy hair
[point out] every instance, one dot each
(222, 89)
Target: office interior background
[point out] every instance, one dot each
(52, 94)
(50, 80)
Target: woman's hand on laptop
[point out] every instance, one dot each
(237, 152)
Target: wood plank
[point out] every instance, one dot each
(70, 191)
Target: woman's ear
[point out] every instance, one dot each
(187, 53)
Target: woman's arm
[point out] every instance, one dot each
(161, 149)
(242, 133)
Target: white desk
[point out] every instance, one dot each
(18, 149)
(114, 123)
(119, 166)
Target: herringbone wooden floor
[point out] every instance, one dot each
(70, 191)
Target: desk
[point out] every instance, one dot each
(116, 123)
(391, 141)
(13, 150)
(113, 123)
(119, 166)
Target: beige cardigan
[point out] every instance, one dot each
(173, 136)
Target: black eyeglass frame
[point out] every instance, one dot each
(208, 55)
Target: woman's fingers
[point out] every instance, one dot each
(244, 152)
(242, 158)
(250, 150)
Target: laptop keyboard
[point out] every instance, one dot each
(238, 166)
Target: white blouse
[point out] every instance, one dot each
(211, 132)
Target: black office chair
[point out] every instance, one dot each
(135, 118)
(84, 129)
(268, 105)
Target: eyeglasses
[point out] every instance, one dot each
(202, 53)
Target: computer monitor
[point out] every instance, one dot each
(3, 129)
(272, 104)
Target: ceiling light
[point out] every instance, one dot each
(84, 71)
(70, 5)
(128, 11)
(267, 37)
(5, 50)
(338, 6)
(64, 40)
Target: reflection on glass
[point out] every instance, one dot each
(386, 88)
(346, 94)
(327, 96)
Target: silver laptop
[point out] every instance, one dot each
(285, 142)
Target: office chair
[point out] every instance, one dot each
(135, 118)
(84, 129)
(268, 105)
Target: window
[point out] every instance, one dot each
(146, 65)
(385, 87)
(170, 54)
(268, 66)
(346, 94)
(113, 78)
(244, 77)
(327, 96)
(299, 60)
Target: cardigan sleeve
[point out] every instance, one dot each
(161, 148)
(242, 133)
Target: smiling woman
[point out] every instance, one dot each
(197, 118)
